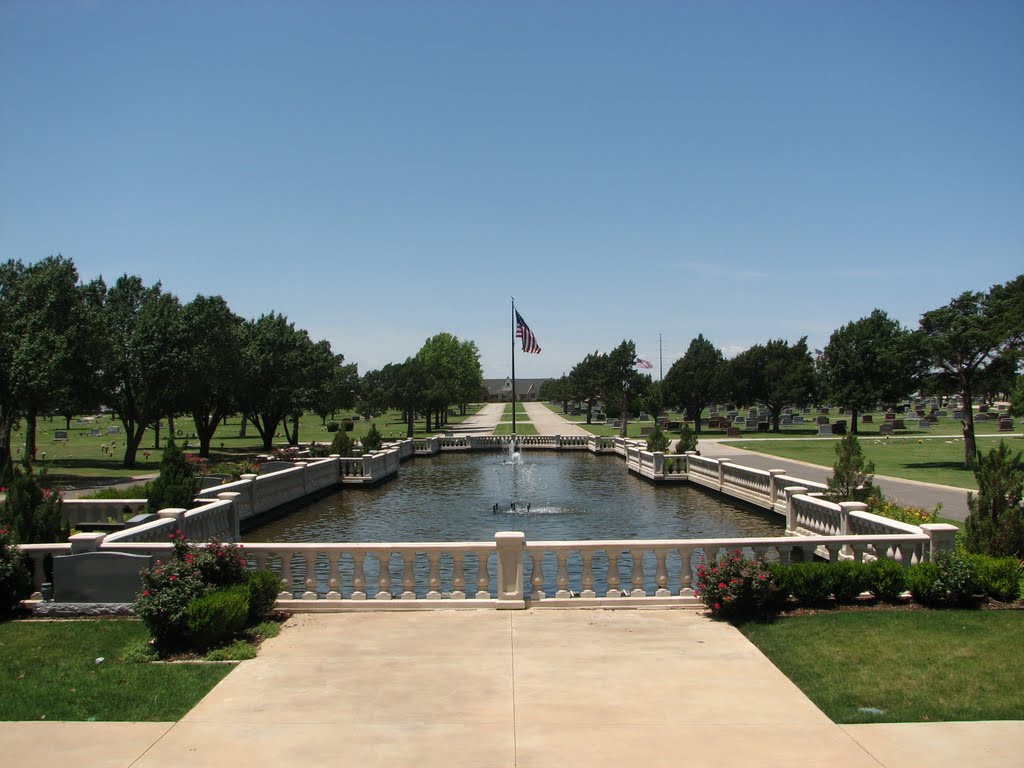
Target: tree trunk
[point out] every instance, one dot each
(206, 426)
(970, 446)
(624, 416)
(853, 421)
(295, 430)
(156, 435)
(6, 459)
(241, 432)
(132, 439)
(410, 421)
(428, 412)
(30, 433)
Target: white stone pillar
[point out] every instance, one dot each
(234, 522)
(791, 491)
(942, 536)
(510, 545)
(774, 483)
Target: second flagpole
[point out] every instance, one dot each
(513, 368)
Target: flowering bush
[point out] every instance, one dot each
(893, 511)
(15, 579)
(200, 467)
(169, 588)
(735, 585)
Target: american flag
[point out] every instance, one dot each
(641, 363)
(523, 332)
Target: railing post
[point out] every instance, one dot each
(791, 491)
(234, 522)
(721, 475)
(177, 514)
(86, 542)
(250, 489)
(845, 508)
(510, 545)
(659, 464)
(689, 455)
(942, 538)
(773, 484)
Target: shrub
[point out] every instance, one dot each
(924, 584)
(995, 524)
(657, 441)
(263, 589)
(852, 475)
(997, 577)
(849, 580)
(810, 583)
(348, 425)
(332, 426)
(177, 484)
(341, 445)
(372, 441)
(948, 580)
(687, 439)
(216, 617)
(218, 564)
(15, 578)
(167, 591)
(887, 579)
(736, 586)
(32, 514)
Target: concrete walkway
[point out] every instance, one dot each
(482, 422)
(548, 422)
(532, 689)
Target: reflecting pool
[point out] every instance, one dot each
(470, 496)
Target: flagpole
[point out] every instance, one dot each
(513, 366)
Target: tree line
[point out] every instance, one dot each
(971, 347)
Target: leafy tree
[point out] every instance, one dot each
(211, 364)
(318, 370)
(282, 366)
(866, 362)
(775, 375)
(140, 367)
(452, 375)
(407, 384)
(995, 524)
(586, 380)
(338, 391)
(342, 444)
(621, 382)
(556, 391)
(47, 333)
(1017, 398)
(696, 379)
(852, 475)
(958, 341)
(653, 400)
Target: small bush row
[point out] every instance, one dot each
(203, 597)
(738, 586)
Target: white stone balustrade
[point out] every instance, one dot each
(78, 511)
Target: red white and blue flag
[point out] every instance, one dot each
(523, 332)
(641, 363)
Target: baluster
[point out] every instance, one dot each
(661, 573)
(334, 579)
(588, 574)
(358, 576)
(310, 593)
(384, 578)
(613, 574)
(434, 576)
(458, 576)
(686, 571)
(537, 577)
(408, 579)
(562, 579)
(287, 579)
(637, 573)
(483, 578)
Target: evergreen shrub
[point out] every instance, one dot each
(810, 583)
(15, 577)
(177, 485)
(264, 587)
(997, 577)
(887, 580)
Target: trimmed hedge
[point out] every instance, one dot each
(263, 588)
(216, 618)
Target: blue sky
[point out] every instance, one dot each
(381, 172)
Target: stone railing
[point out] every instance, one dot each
(75, 512)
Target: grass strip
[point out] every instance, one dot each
(49, 671)
(901, 666)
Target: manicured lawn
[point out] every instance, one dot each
(523, 427)
(507, 413)
(48, 671)
(912, 665)
(934, 461)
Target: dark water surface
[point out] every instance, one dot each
(570, 496)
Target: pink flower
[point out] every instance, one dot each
(718, 606)
(722, 585)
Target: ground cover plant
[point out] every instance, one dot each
(900, 666)
(83, 670)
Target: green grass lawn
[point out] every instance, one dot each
(913, 665)
(523, 427)
(48, 671)
(507, 413)
(934, 461)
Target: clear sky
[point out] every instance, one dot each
(383, 171)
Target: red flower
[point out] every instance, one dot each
(145, 593)
(722, 585)
(173, 577)
(717, 606)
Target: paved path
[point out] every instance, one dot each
(496, 689)
(548, 422)
(482, 422)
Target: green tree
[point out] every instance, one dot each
(211, 364)
(958, 341)
(145, 341)
(696, 380)
(1017, 398)
(995, 523)
(775, 375)
(177, 485)
(319, 364)
(48, 342)
(852, 474)
(452, 374)
(586, 380)
(622, 383)
(866, 362)
(31, 512)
